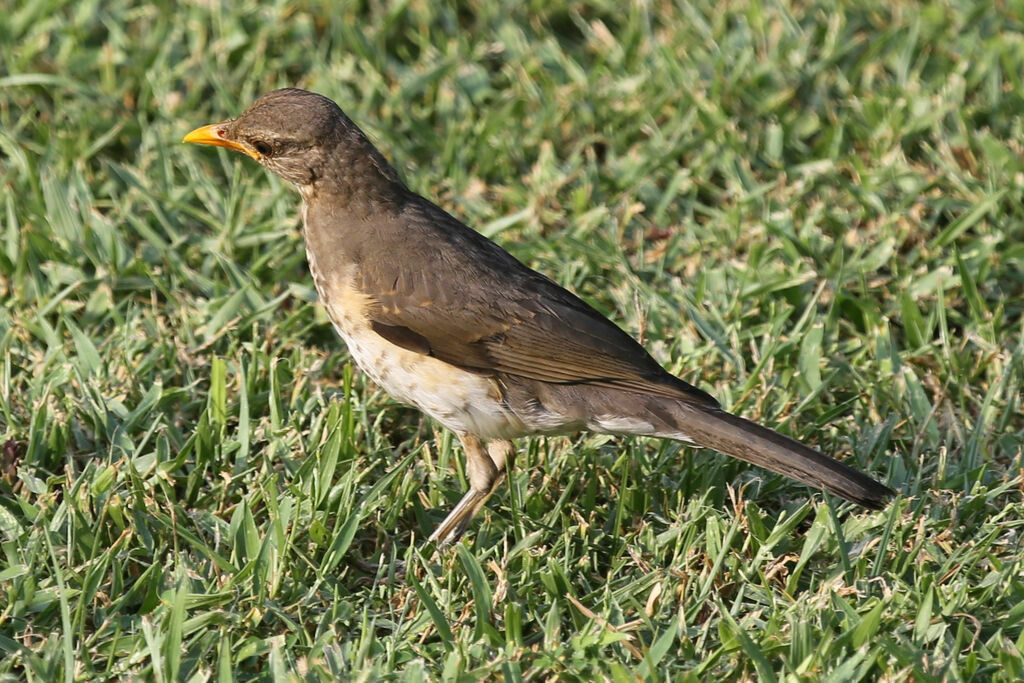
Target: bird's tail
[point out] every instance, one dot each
(556, 408)
(714, 428)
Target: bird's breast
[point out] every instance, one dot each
(462, 401)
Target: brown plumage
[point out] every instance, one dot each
(448, 321)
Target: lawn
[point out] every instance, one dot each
(812, 210)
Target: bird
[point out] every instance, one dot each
(446, 320)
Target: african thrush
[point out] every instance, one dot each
(446, 320)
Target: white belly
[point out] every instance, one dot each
(461, 401)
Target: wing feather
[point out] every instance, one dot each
(492, 315)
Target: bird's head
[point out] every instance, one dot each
(294, 133)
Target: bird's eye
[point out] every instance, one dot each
(263, 147)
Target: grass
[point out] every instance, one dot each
(812, 210)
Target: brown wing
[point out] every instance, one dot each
(493, 315)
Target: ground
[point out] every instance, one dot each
(812, 210)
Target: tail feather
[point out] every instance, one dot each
(557, 408)
(748, 441)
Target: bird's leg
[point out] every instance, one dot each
(486, 472)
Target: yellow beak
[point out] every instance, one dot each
(213, 134)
